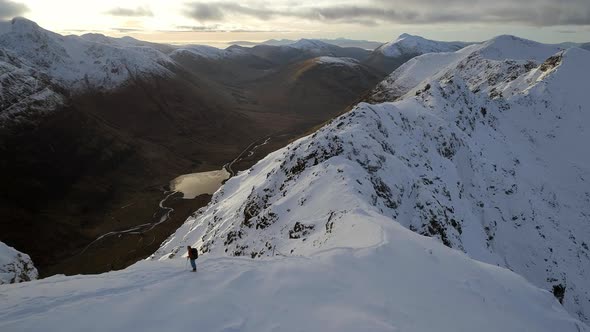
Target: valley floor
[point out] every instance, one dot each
(400, 282)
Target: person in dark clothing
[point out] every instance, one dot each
(193, 254)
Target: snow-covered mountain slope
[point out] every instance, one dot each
(487, 153)
(15, 266)
(24, 92)
(407, 44)
(80, 62)
(40, 70)
(399, 281)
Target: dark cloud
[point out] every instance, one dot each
(10, 9)
(216, 11)
(205, 12)
(130, 12)
(371, 12)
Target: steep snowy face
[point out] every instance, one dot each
(80, 62)
(15, 266)
(407, 44)
(484, 150)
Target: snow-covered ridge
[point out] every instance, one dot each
(337, 61)
(472, 153)
(404, 283)
(434, 65)
(406, 45)
(15, 266)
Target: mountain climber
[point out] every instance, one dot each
(193, 254)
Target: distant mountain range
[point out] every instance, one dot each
(341, 42)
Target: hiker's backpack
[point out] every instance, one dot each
(194, 253)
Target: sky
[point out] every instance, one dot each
(222, 21)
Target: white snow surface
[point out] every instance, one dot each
(407, 44)
(15, 266)
(402, 282)
(488, 155)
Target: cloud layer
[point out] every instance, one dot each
(130, 12)
(372, 12)
(10, 9)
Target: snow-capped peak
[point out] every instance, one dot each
(20, 24)
(496, 51)
(310, 44)
(410, 45)
(512, 47)
(79, 62)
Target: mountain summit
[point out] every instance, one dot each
(407, 44)
(390, 56)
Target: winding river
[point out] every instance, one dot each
(191, 186)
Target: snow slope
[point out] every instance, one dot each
(484, 151)
(407, 44)
(403, 282)
(15, 266)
